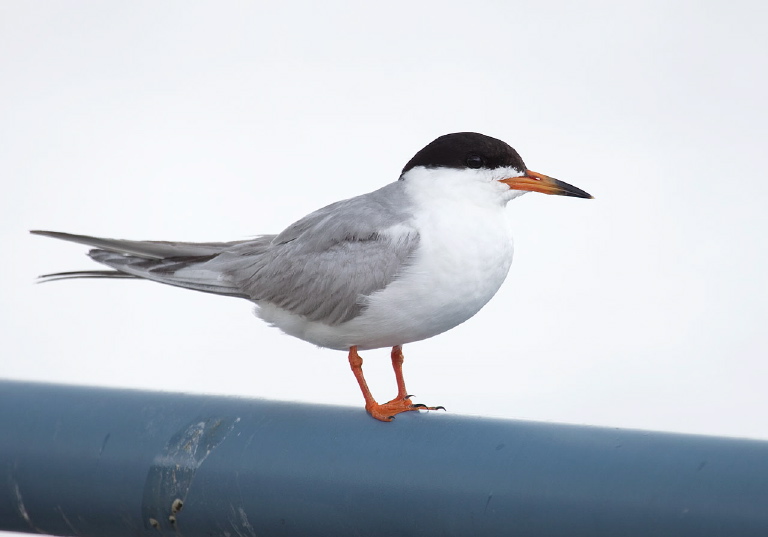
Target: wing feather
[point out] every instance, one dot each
(323, 267)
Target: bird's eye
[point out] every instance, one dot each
(474, 161)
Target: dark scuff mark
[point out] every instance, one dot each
(101, 450)
(104, 444)
(487, 502)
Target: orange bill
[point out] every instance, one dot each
(537, 182)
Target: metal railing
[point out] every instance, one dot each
(111, 463)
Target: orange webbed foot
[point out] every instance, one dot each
(388, 411)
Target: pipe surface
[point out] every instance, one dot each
(95, 462)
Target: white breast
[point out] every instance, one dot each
(464, 255)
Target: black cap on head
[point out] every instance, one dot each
(466, 150)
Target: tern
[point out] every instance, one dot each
(400, 264)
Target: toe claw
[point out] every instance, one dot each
(440, 408)
(409, 397)
(418, 405)
(391, 418)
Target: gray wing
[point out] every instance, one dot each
(323, 266)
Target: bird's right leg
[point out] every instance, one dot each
(356, 363)
(380, 412)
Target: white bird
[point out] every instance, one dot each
(399, 264)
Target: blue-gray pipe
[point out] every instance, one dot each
(97, 462)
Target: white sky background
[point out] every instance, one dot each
(643, 308)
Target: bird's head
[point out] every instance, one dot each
(469, 156)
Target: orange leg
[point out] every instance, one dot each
(356, 363)
(397, 365)
(401, 403)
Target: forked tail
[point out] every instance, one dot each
(182, 264)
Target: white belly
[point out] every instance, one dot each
(463, 257)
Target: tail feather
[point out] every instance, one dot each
(179, 264)
(83, 274)
(146, 249)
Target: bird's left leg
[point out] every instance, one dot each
(397, 365)
(402, 396)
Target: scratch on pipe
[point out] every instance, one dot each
(170, 476)
(241, 523)
(66, 521)
(246, 523)
(22, 509)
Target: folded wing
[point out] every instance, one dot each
(322, 267)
